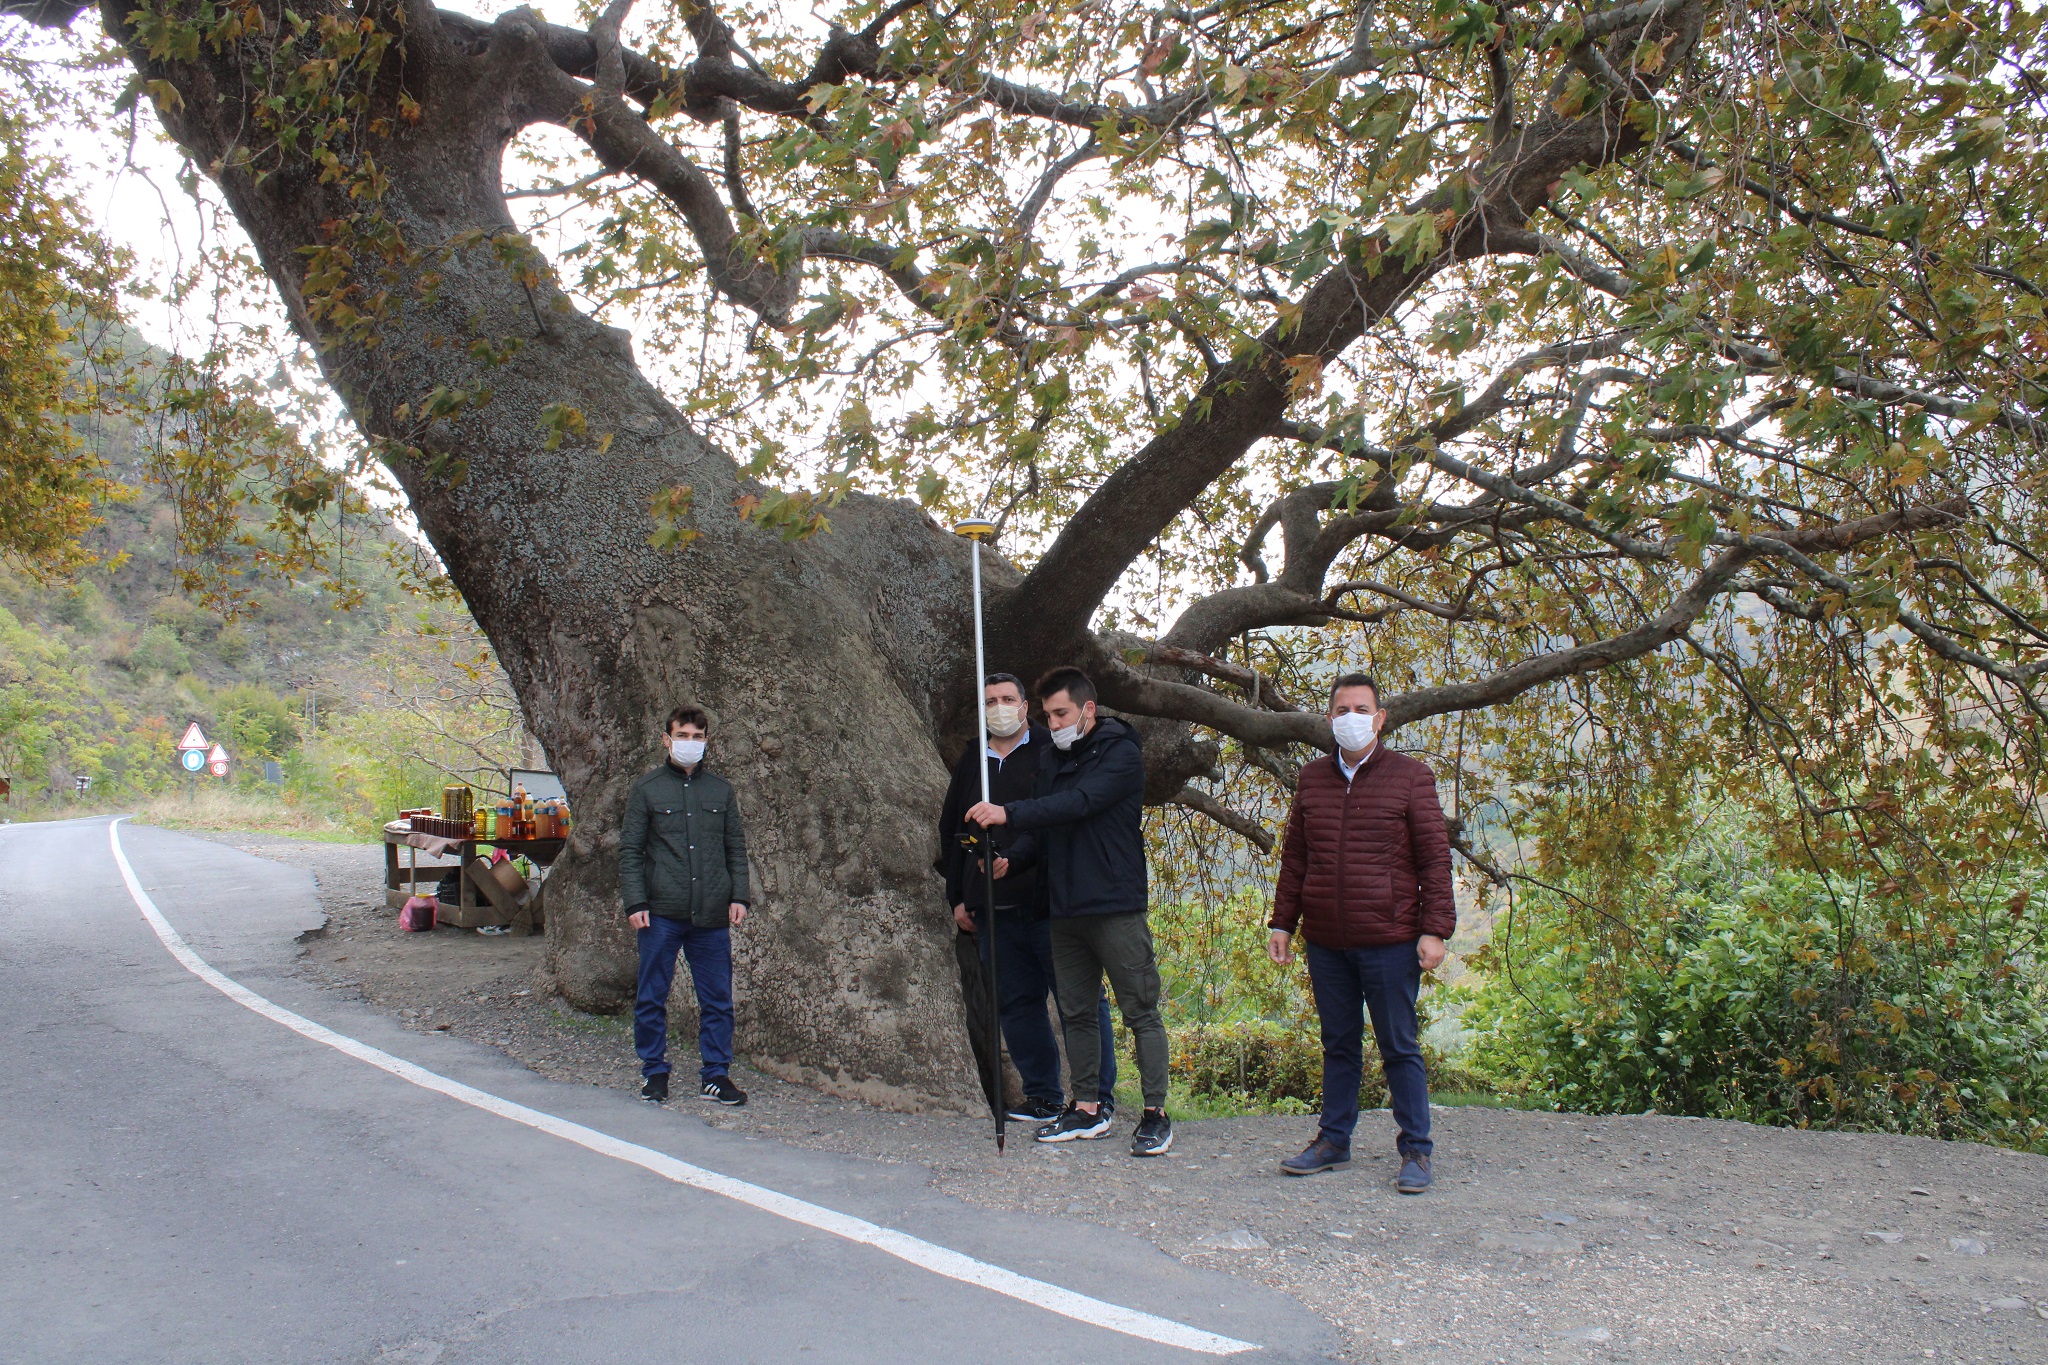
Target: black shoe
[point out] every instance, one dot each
(655, 1089)
(1154, 1135)
(721, 1090)
(1107, 1109)
(1320, 1155)
(1035, 1111)
(1414, 1177)
(1073, 1123)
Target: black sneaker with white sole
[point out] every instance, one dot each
(1034, 1111)
(721, 1090)
(1154, 1134)
(655, 1089)
(1074, 1123)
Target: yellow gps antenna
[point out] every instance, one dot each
(980, 533)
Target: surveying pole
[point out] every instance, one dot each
(977, 533)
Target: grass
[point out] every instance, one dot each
(212, 809)
(1193, 1106)
(591, 1023)
(1475, 1099)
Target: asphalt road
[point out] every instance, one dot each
(187, 1180)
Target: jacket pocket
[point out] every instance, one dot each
(668, 868)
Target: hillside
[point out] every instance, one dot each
(98, 675)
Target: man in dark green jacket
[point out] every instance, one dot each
(683, 878)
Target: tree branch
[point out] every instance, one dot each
(1191, 798)
(1240, 402)
(625, 143)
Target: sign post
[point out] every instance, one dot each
(192, 757)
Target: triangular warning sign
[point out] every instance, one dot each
(219, 755)
(195, 738)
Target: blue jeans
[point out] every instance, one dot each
(1350, 983)
(1023, 982)
(709, 952)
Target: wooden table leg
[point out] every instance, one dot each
(501, 900)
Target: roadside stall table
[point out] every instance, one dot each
(483, 900)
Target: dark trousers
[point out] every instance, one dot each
(709, 953)
(1024, 980)
(1086, 948)
(1350, 983)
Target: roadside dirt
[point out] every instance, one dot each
(1547, 1237)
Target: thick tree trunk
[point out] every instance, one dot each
(829, 665)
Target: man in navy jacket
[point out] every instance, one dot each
(1021, 934)
(1082, 832)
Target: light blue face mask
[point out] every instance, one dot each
(686, 751)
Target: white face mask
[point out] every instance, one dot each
(686, 751)
(1005, 719)
(1064, 738)
(1354, 731)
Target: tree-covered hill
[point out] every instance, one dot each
(99, 673)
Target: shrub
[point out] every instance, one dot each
(159, 650)
(1262, 1066)
(255, 724)
(1776, 997)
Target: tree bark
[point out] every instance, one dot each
(835, 668)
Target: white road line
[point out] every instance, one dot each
(939, 1260)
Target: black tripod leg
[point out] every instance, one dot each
(995, 1000)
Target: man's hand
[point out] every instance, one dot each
(638, 919)
(987, 814)
(963, 919)
(738, 911)
(1429, 951)
(1002, 868)
(1280, 946)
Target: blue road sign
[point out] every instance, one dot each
(193, 759)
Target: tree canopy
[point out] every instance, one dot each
(58, 282)
(1674, 369)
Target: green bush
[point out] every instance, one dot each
(1776, 997)
(1262, 1065)
(1259, 1066)
(159, 650)
(254, 723)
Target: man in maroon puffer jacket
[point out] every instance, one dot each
(1365, 875)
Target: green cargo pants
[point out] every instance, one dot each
(1084, 949)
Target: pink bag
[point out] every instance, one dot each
(418, 915)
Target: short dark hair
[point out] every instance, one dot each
(1355, 680)
(994, 678)
(688, 715)
(1070, 680)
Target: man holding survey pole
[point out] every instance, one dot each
(1021, 933)
(1082, 831)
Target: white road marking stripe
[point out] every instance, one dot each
(939, 1260)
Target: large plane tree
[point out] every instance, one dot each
(1628, 383)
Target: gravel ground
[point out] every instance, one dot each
(1547, 1236)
